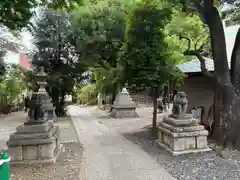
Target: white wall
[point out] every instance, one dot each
(230, 35)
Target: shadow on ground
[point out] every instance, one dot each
(201, 166)
(144, 140)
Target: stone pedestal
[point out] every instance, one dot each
(123, 107)
(34, 144)
(50, 111)
(182, 136)
(47, 104)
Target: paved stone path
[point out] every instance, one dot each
(109, 156)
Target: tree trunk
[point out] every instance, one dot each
(218, 43)
(114, 92)
(221, 71)
(217, 121)
(154, 119)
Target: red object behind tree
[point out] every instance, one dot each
(24, 62)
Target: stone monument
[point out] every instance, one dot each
(123, 106)
(37, 140)
(48, 105)
(179, 133)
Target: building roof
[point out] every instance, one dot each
(193, 66)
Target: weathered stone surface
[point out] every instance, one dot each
(178, 144)
(201, 142)
(30, 152)
(179, 122)
(123, 112)
(47, 150)
(42, 146)
(123, 99)
(43, 135)
(183, 134)
(184, 138)
(123, 106)
(15, 153)
(35, 128)
(181, 129)
(32, 141)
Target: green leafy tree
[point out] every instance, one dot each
(146, 49)
(12, 84)
(16, 14)
(190, 26)
(100, 27)
(57, 53)
(226, 82)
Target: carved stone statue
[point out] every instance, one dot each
(35, 109)
(180, 105)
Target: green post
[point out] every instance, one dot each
(4, 166)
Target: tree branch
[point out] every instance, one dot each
(196, 53)
(189, 41)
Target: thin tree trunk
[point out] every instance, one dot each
(154, 119)
(113, 95)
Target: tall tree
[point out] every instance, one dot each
(57, 53)
(226, 81)
(146, 49)
(16, 14)
(100, 27)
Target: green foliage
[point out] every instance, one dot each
(190, 26)
(87, 94)
(146, 47)
(16, 14)
(100, 27)
(12, 84)
(57, 53)
(106, 78)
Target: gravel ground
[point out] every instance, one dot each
(70, 160)
(67, 167)
(201, 166)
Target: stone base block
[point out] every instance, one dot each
(42, 135)
(124, 112)
(182, 140)
(51, 160)
(175, 153)
(35, 128)
(180, 122)
(181, 128)
(41, 148)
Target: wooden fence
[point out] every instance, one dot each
(142, 100)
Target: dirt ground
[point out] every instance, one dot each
(68, 165)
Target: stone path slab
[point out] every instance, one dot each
(108, 155)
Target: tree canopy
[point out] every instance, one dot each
(57, 53)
